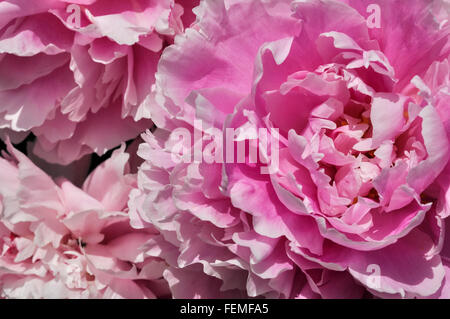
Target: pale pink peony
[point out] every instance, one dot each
(78, 74)
(60, 241)
(363, 178)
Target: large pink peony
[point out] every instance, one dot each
(60, 241)
(359, 197)
(78, 74)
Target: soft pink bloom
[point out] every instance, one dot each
(78, 74)
(60, 241)
(363, 178)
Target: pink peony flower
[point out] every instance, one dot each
(78, 74)
(359, 199)
(60, 241)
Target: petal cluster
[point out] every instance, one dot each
(358, 198)
(78, 74)
(60, 241)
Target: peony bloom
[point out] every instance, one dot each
(358, 202)
(78, 74)
(60, 241)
